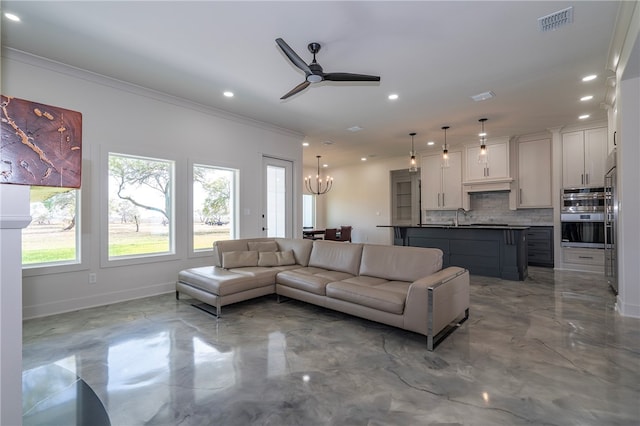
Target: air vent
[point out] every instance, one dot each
(556, 20)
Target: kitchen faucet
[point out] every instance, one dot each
(456, 223)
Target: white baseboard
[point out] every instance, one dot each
(69, 305)
(627, 309)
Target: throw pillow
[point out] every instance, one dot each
(277, 258)
(239, 259)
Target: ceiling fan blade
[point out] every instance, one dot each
(293, 56)
(345, 76)
(299, 88)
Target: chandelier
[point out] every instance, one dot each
(321, 187)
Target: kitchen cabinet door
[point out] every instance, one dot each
(595, 157)
(534, 174)
(496, 167)
(431, 175)
(452, 182)
(441, 187)
(584, 155)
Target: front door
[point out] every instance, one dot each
(278, 201)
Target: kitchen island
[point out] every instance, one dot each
(483, 249)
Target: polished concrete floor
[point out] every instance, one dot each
(547, 351)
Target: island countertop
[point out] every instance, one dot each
(460, 226)
(489, 249)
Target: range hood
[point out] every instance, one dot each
(497, 185)
(503, 184)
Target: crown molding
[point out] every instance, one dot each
(62, 68)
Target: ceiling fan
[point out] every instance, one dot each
(313, 72)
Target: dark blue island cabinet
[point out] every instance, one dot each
(493, 251)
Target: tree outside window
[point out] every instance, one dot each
(213, 205)
(140, 206)
(52, 237)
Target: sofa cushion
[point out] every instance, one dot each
(262, 246)
(301, 248)
(219, 281)
(222, 246)
(239, 259)
(399, 263)
(369, 296)
(310, 279)
(276, 258)
(336, 256)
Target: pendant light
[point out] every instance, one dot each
(482, 156)
(321, 188)
(445, 151)
(413, 166)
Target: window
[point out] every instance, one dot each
(52, 237)
(140, 220)
(214, 194)
(308, 211)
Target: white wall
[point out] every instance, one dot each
(124, 118)
(361, 197)
(628, 303)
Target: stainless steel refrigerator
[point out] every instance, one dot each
(611, 223)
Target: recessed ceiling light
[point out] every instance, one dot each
(589, 77)
(354, 128)
(430, 143)
(12, 17)
(325, 165)
(393, 97)
(584, 116)
(586, 98)
(363, 159)
(228, 94)
(305, 143)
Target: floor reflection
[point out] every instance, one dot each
(549, 350)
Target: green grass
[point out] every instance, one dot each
(47, 255)
(48, 243)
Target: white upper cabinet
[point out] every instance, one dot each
(584, 155)
(496, 166)
(534, 173)
(441, 186)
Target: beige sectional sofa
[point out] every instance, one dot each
(404, 287)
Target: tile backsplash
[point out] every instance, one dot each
(492, 207)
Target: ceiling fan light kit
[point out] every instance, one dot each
(314, 72)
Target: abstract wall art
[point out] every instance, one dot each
(40, 144)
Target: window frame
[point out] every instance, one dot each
(82, 245)
(174, 253)
(235, 201)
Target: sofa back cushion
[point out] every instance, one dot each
(239, 259)
(301, 248)
(399, 263)
(336, 256)
(220, 247)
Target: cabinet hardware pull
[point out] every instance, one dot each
(585, 257)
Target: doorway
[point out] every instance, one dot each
(277, 219)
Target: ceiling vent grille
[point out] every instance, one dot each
(555, 20)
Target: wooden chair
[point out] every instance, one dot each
(345, 233)
(331, 234)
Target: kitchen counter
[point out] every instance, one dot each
(495, 250)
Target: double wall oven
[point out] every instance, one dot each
(582, 217)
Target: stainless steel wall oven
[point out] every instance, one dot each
(582, 217)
